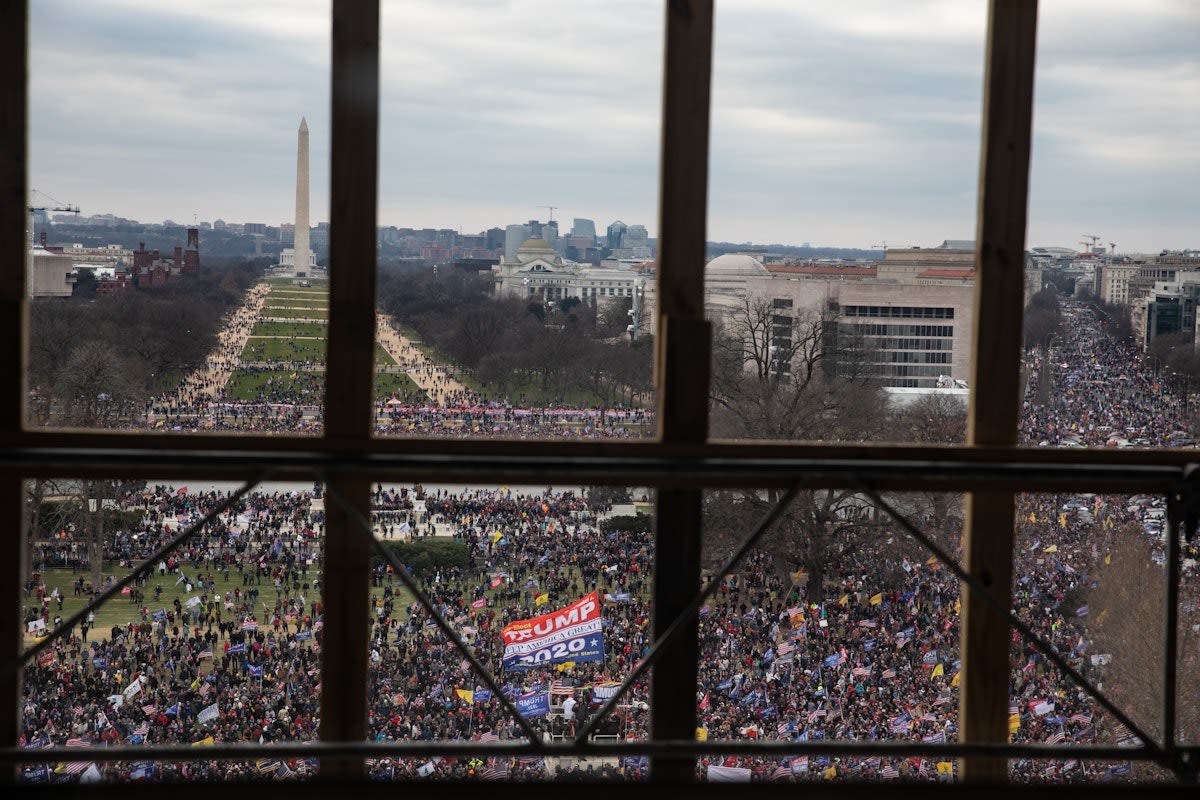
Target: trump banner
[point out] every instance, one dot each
(573, 633)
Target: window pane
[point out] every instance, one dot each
(493, 559)
(845, 150)
(1089, 580)
(836, 625)
(216, 643)
(1116, 320)
(215, 116)
(518, 170)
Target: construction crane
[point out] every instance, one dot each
(1087, 247)
(552, 210)
(1112, 248)
(59, 206)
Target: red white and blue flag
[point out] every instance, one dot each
(574, 633)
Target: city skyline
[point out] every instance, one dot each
(190, 112)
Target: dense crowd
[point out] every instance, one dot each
(873, 656)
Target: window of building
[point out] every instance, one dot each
(681, 469)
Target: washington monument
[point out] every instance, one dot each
(301, 260)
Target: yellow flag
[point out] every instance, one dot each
(497, 536)
(1062, 520)
(701, 734)
(843, 600)
(563, 667)
(1014, 723)
(207, 741)
(957, 606)
(1108, 558)
(931, 560)
(196, 684)
(541, 599)
(954, 680)
(938, 672)
(877, 599)
(945, 768)
(1051, 549)
(466, 695)
(830, 773)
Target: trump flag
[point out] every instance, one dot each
(573, 633)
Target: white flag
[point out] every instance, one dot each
(210, 713)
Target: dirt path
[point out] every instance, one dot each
(436, 380)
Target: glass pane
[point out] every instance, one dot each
(1114, 325)
(548, 587)
(218, 121)
(1089, 580)
(845, 153)
(217, 642)
(837, 625)
(509, 303)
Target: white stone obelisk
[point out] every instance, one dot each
(300, 249)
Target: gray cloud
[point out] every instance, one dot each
(844, 128)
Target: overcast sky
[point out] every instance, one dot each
(849, 129)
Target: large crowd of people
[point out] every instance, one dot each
(870, 656)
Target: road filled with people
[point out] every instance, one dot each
(872, 655)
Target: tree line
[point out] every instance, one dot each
(564, 350)
(95, 360)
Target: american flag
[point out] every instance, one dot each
(494, 773)
(889, 772)
(557, 688)
(149, 708)
(861, 671)
(141, 730)
(813, 716)
(1083, 719)
(782, 772)
(1056, 738)
(889, 673)
(488, 737)
(73, 768)
(77, 742)
(787, 648)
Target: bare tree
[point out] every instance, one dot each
(783, 376)
(1125, 623)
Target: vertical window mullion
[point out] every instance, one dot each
(999, 287)
(14, 60)
(682, 365)
(350, 370)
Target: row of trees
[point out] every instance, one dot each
(566, 348)
(93, 361)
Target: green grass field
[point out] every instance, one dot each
(296, 313)
(288, 302)
(290, 329)
(398, 383)
(283, 349)
(119, 611)
(382, 357)
(244, 386)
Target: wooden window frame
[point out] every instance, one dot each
(680, 462)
